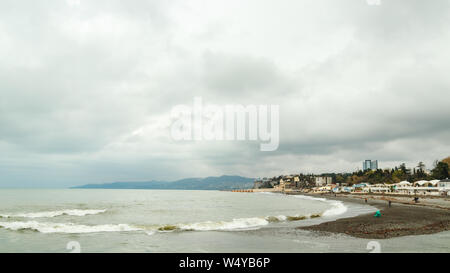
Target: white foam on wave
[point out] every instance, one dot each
(66, 227)
(50, 214)
(281, 217)
(337, 207)
(235, 224)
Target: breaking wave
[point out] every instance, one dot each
(50, 214)
(66, 227)
(337, 207)
(235, 224)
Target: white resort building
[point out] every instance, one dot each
(423, 187)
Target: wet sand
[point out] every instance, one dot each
(401, 219)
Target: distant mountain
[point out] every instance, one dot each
(225, 182)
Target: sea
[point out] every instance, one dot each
(160, 221)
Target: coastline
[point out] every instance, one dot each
(403, 218)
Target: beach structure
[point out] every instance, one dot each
(336, 190)
(377, 188)
(359, 187)
(444, 186)
(403, 184)
(422, 187)
(444, 183)
(403, 187)
(425, 183)
(347, 189)
(323, 189)
(342, 189)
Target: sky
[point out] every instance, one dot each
(87, 87)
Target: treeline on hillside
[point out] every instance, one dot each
(395, 175)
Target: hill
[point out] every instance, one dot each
(225, 182)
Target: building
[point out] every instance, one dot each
(374, 165)
(444, 184)
(323, 181)
(370, 165)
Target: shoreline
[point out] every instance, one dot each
(403, 218)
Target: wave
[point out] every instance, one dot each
(50, 214)
(235, 224)
(65, 228)
(337, 207)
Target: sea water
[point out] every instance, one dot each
(182, 221)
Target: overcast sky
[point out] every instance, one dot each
(87, 87)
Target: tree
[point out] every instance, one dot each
(398, 176)
(421, 166)
(403, 167)
(441, 171)
(446, 160)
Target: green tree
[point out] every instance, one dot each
(403, 167)
(421, 166)
(440, 171)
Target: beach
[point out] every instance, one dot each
(402, 218)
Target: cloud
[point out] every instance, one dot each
(87, 87)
